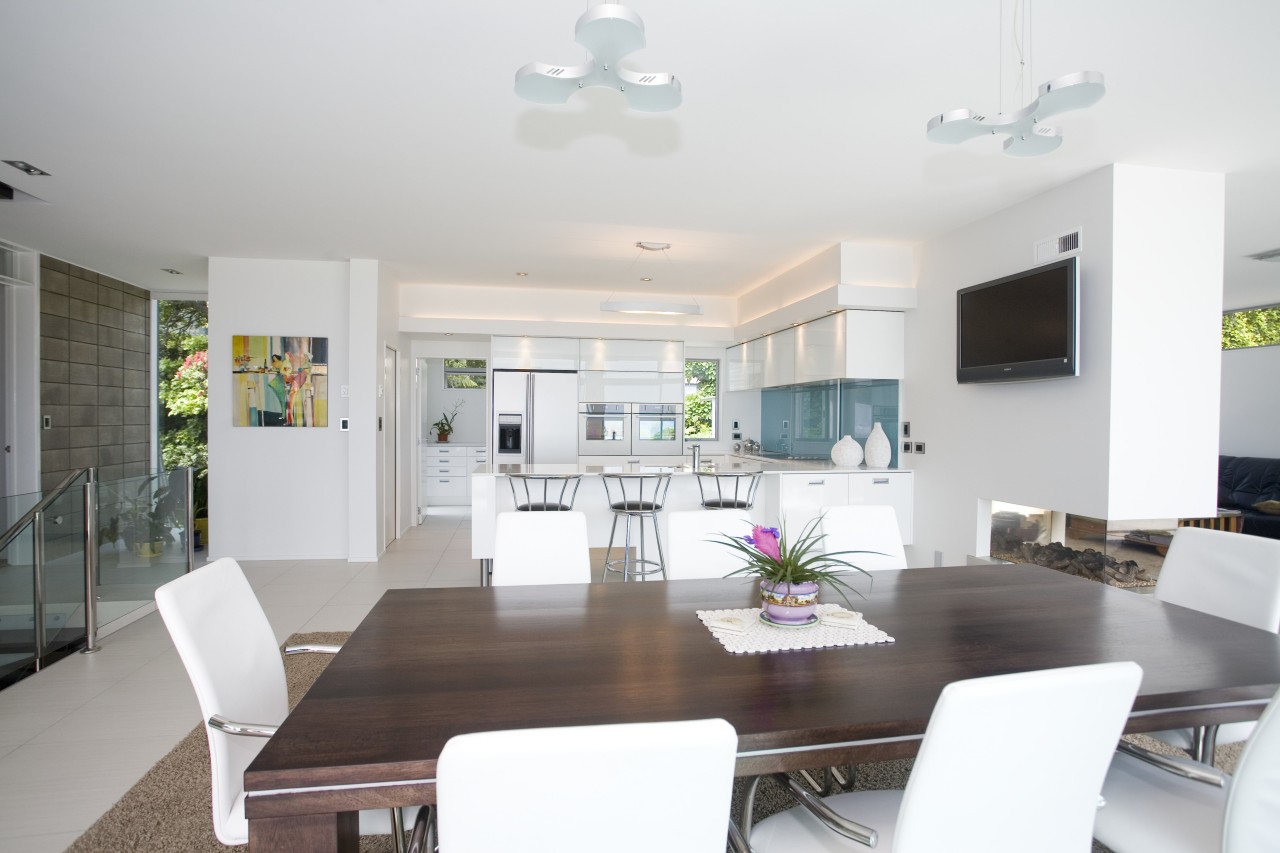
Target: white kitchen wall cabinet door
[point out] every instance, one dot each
(616, 354)
(779, 358)
(820, 349)
(534, 353)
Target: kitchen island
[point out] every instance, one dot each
(792, 489)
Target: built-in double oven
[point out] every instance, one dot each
(627, 429)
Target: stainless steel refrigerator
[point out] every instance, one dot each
(535, 416)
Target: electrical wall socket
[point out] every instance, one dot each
(919, 447)
(906, 447)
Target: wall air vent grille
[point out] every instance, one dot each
(1053, 248)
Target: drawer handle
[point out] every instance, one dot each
(881, 481)
(817, 482)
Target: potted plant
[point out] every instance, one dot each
(791, 572)
(444, 426)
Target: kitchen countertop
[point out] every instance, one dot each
(715, 465)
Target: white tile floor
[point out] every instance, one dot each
(75, 737)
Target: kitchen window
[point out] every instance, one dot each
(702, 397)
(465, 373)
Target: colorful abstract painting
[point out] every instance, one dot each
(280, 381)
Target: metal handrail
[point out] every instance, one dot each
(44, 503)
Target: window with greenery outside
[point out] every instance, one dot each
(183, 349)
(700, 382)
(464, 372)
(1254, 327)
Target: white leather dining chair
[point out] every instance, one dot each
(696, 546)
(1151, 810)
(626, 788)
(541, 548)
(1231, 575)
(233, 661)
(1008, 764)
(864, 527)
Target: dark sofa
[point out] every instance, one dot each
(1244, 481)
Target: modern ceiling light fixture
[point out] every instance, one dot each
(609, 31)
(1025, 136)
(650, 306)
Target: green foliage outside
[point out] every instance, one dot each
(1257, 327)
(183, 348)
(700, 406)
(464, 380)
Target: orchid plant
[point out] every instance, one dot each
(772, 557)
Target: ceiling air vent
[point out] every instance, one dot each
(1052, 248)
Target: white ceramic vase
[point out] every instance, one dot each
(846, 453)
(878, 450)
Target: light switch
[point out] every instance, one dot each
(906, 447)
(344, 424)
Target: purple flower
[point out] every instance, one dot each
(765, 540)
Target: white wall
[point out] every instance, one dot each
(1075, 444)
(277, 493)
(1250, 424)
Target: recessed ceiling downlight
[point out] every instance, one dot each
(650, 246)
(171, 271)
(24, 166)
(1272, 255)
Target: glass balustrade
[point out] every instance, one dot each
(140, 542)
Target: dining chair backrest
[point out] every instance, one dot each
(864, 527)
(230, 654)
(1018, 760)
(1252, 822)
(1231, 575)
(540, 548)
(696, 546)
(627, 788)
(543, 492)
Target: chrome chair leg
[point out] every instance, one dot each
(1204, 743)
(748, 809)
(423, 837)
(397, 829)
(608, 551)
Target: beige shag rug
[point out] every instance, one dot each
(168, 810)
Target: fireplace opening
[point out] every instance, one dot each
(1118, 553)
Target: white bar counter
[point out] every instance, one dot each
(795, 488)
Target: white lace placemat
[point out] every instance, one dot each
(743, 632)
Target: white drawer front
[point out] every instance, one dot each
(448, 486)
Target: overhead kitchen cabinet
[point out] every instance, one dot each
(534, 353)
(820, 349)
(874, 344)
(645, 356)
(745, 366)
(780, 358)
(630, 386)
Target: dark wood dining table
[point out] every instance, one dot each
(428, 664)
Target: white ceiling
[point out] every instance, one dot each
(387, 129)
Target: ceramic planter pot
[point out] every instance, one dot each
(789, 604)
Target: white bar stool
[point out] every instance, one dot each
(635, 497)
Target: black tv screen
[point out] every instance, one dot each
(1019, 327)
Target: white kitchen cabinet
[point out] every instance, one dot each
(630, 386)
(891, 488)
(745, 365)
(796, 499)
(820, 349)
(779, 358)
(534, 353)
(446, 472)
(615, 354)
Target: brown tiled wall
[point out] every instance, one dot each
(94, 383)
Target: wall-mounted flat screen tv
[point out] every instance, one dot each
(1019, 327)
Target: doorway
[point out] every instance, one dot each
(390, 447)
